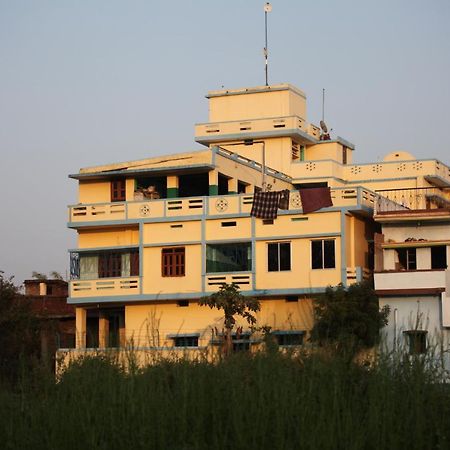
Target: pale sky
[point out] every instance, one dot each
(85, 82)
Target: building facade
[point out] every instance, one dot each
(156, 235)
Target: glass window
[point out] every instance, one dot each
(228, 257)
(185, 341)
(289, 338)
(279, 256)
(407, 258)
(417, 341)
(323, 254)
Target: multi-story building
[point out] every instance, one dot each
(156, 235)
(412, 274)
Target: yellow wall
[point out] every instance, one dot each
(151, 323)
(155, 283)
(112, 237)
(94, 191)
(165, 232)
(264, 103)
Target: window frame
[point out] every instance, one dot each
(280, 335)
(211, 262)
(189, 340)
(118, 190)
(323, 265)
(170, 266)
(278, 257)
(417, 341)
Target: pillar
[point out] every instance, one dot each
(80, 321)
(103, 329)
(213, 182)
(172, 186)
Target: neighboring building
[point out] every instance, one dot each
(412, 275)
(155, 235)
(49, 302)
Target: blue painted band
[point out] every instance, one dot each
(191, 295)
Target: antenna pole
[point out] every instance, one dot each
(323, 104)
(267, 9)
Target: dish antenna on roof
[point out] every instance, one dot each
(267, 9)
(325, 134)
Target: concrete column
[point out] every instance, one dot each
(103, 330)
(213, 182)
(232, 186)
(423, 257)
(122, 330)
(389, 258)
(42, 288)
(80, 323)
(172, 186)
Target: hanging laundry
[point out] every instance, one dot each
(284, 199)
(265, 205)
(314, 199)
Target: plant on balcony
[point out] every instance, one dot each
(229, 299)
(348, 319)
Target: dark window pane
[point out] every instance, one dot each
(285, 339)
(186, 341)
(329, 257)
(285, 256)
(272, 257)
(228, 258)
(316, 254)
(439, 257)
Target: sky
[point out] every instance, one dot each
(86, 82)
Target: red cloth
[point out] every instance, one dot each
(314, 199)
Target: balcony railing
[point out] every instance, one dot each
(104, 287)
(414, 199)
(197, 206)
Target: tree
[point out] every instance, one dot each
(348, 318)
(19, 329)
(229, 299)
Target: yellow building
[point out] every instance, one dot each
(155, 235)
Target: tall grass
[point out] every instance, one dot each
(265, 401)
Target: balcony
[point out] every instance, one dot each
(242, 279)
(213, 206)
(104, 287)
(415, 200)
(410, 280)
(207, 133)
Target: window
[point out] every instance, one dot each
(241, 343)
(242, 187)
(188, 340)
(323, 254)
(417, 341)
(439, 257)
(407, 258)
(279, 256)
(109, 265)
(289, 338)
(105, 264)
(173, 262)
(118, 190)
(229, 257)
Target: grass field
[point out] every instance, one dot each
(266, 401)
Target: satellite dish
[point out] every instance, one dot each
(323, 126)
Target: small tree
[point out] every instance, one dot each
(19, 330)
(348, 318)
(229, 299)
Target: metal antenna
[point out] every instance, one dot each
(323, 105)
(267, 9)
